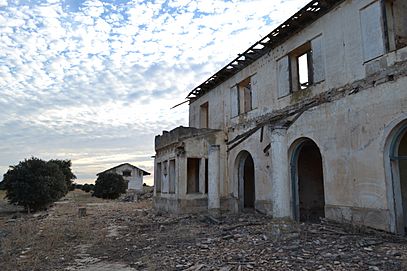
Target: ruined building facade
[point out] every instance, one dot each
(309, 122)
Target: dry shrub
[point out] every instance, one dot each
(44, 244)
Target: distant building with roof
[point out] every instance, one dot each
(132, 174)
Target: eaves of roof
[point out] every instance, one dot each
(144, 172)
(300, 20)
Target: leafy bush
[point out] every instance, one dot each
(78, 186)
(88, 187)
(34, 184)
(109, 186)
(65, 166)
(2, 185)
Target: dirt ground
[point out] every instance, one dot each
(125, 236)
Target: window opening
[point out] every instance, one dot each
(301, 67)
(157, 178)
(206, 176)
(192, 175)
(126, 173)
(172, 176)
(245, 91)
(204, 115)
(304, 71)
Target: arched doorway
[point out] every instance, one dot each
(308, 181)
(398, 162)
(246, 180)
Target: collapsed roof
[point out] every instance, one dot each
(304, 17)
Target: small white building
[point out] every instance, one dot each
(132, 174)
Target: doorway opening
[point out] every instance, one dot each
(402, 156)
(246, 181)
(308, 182)
(398, 166)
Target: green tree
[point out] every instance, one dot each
(65, 166)
(109, 186)
(86, 187)
(34, 184)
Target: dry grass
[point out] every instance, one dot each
(49, 240)
(79, 196)
(35, 245)
(52, 240)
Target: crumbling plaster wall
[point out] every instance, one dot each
(216, 109)
(180, 150)
(349, 132)
(352, 147)
(263, 184)
(343, 54)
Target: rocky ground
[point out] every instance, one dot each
(125, 236)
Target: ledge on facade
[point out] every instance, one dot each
(181, 133)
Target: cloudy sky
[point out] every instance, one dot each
(94, 80)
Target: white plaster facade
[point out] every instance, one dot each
(132, 174)
(352, 112)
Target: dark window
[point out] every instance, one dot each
(206, 176)
(126, 173)
(204, 116)
(172, 177)
(157, 178)
(192, 175)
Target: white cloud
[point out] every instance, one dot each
(90, 78)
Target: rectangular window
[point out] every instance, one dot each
(126, 173)
(304, 70)
(243, 96)
(172, 177)
(157, 178)
(396, 23)
(204, 115)
(192, 175)
(245, 93)
(301, 67)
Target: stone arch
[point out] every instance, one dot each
(395, 156)
(307, 178)
(245, 178)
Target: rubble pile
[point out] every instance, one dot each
(154, 241)
(127, 236)
(134, 196)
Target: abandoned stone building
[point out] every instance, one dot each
(132, 174)
(309, 122)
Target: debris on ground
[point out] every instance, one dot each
(123, 236)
